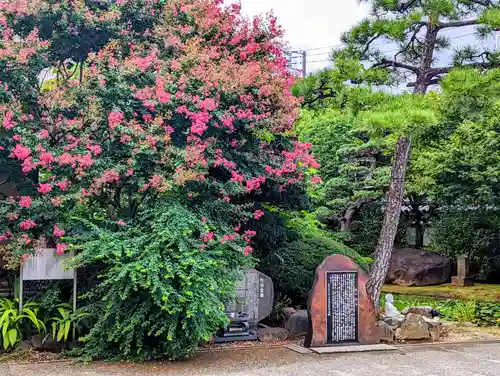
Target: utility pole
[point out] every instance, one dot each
(303, 62)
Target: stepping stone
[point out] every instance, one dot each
(352, 348)
(299, 349)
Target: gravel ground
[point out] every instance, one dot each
(471, 360)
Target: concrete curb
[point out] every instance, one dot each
(444, 344)
(61, 361)
(397, 347)
(407, 346)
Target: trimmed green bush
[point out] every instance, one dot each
(292, 267)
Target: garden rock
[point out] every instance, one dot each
(414, 327)
(40, 343)
(432, 322)
(435, 327)
(298, 324)
(272, 334)
(422, 311)
(414, 267)
(288, 312)
(386, 333)
(393, 322)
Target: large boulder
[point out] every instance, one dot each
(272, 334)
(422, 311)
(415, 267)
(414, 327)
(298, 324)
(393, 321)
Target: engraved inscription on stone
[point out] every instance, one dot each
(254, 297)
(259, 296)
(342, 307)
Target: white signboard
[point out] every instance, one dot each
(46, 264)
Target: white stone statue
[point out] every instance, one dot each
(390, 310)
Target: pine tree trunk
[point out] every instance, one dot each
(346, 221)
(391, 221)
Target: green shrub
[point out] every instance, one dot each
(292, 267)
(473, 234)
(487, 314)
(64, 320)
(278, 316)
(162, 289)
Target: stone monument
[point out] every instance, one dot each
(339, 308)
(253, 303)
(463, 277)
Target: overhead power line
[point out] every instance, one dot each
(375, 45)
(302, 57)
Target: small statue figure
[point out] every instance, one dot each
(390, 310)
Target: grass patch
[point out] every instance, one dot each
(481, 313)
(478, 292)
(451, 310)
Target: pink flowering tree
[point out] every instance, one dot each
(148, 133)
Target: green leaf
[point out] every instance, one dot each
(12, 336)
(67, 327)
(54, 330)
(60, 333)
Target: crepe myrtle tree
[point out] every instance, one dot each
(117, 113)
(418, 29)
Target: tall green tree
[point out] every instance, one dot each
(355, 169)
(417, 28)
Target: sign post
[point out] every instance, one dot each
(47, 265)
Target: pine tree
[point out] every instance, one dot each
(420, 30)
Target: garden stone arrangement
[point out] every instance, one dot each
(413, 323)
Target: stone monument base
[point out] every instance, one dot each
(462, 281)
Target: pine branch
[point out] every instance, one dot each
(442, 70)
(484, 3)
(405, 6)
(331, 94)
(410, 42)
(321, 93)
(385, 63)
(434, 81)
(446, 25)
(368, 44)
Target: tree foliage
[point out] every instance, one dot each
(420, 30)
(164, 128)
(459, 165)
(355, 168)
(416, 27)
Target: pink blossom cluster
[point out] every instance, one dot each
(255, 183)
(27, 224)
(201, 108)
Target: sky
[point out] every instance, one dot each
(316, 26)
(312, 25)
